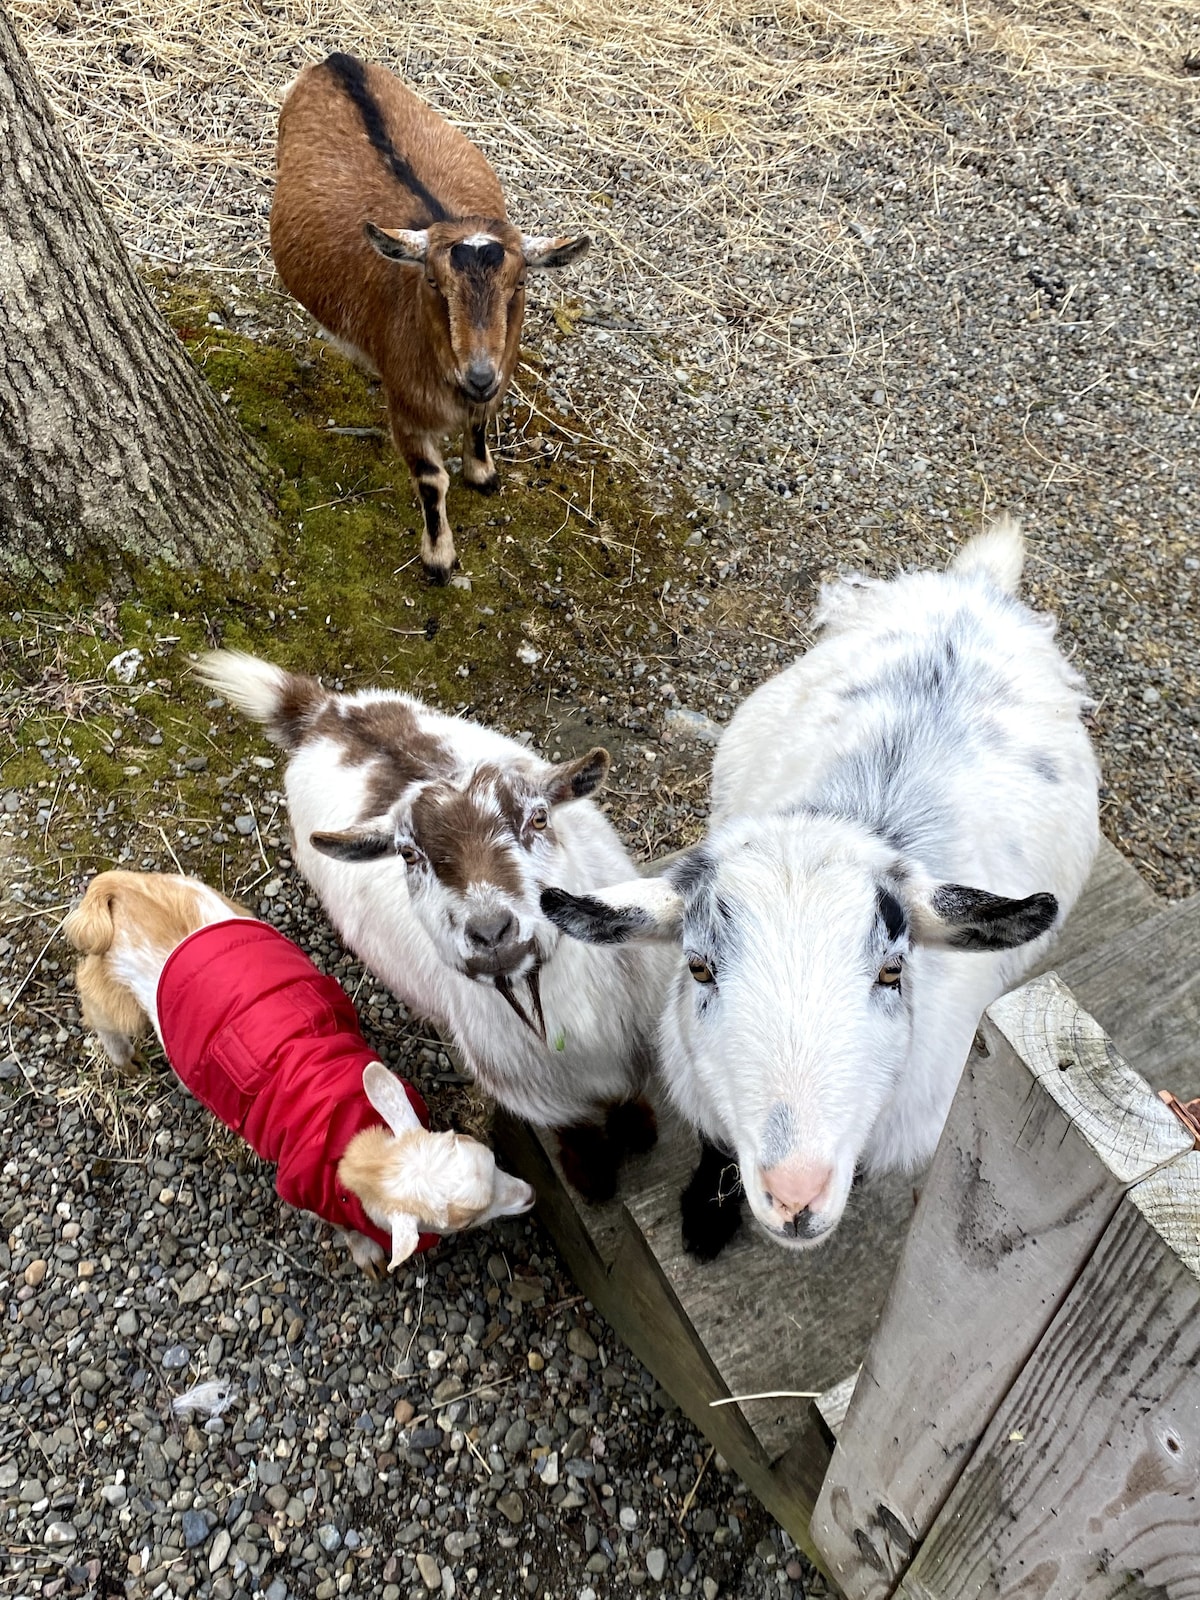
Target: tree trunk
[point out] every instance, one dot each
(112, 446)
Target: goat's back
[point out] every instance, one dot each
(347, 140)
(940, 712)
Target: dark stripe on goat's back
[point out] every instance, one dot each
(351, 73)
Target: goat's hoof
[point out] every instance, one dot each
(709, 1218)
(439, 575)
(707, 1232)
(589, 1162)
(484, 485)
(633, 1127)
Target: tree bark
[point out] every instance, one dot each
(112, 446)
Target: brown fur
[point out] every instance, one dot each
(416, 326)
(161, 910)
(465, 842)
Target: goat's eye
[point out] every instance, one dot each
(889, 975)
(540, 820)
(700, 971)
(409, 854)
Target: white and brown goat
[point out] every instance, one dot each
(429, 840)
(390, 227)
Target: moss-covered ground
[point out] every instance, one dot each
(569, 557)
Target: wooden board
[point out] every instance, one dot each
(776, 1319)
(630, 1291)
(1046, 1132)
(1087, 1483)
(1115, 897)
(1144, 987)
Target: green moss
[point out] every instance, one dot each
(570, 549)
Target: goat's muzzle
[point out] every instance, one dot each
(480, 383)
(509, 960)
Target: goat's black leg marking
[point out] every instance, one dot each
(431, 479)
(633, 1127)
(589, 1161)
(478, 469)
(711, 1205)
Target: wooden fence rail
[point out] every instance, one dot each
(1027, 1419)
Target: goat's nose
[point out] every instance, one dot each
(796, 1188)
(479, 380)
(488, 929)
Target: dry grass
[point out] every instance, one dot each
(572, 99)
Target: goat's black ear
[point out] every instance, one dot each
(958, 918)
(354, 844)
(575, 780)
(547, 251)
(398, 244)
(647, 908)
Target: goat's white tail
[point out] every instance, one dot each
(284, 702)
(997, 554)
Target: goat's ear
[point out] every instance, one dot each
(406, 1236)
(647, 908)
(399, 244)
(544, 251)
(957, 918)
(575, 780)
(386, 1093)
(354, 844)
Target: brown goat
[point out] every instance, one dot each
(389, 226)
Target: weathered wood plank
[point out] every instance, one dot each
(630, 1291)
(1144, 987)
(834, 1403)
(1087, 1483)
(1115, 897)
(1046, 1132)
(772, 1319)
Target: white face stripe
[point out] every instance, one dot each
(477, 240)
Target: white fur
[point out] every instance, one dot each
(600, 1006)
(797, 1026)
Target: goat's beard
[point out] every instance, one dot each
(534, 1019)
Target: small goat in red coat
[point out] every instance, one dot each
(272, 1048)
(390, 227)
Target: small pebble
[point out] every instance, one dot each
(431, 1573)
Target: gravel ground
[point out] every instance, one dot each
(843, 354)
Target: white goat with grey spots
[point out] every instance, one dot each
(900, 820)
(428, 840)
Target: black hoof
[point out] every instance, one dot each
(589, 1161)
(485, 485)
(439, 576)
(711, 1205)
(633, 1127)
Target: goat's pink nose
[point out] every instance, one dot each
(795, 1186)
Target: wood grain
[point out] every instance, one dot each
(1045, 1134)
(1115, 897)
(775, 1319)
(1087, 1483)
(1144, 987)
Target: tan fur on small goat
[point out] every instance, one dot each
(390, 227)
(401, 1180)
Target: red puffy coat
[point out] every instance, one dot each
(273, 1048)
